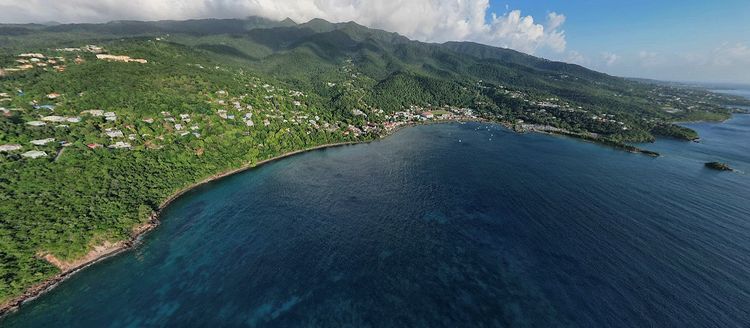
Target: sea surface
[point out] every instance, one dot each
(736, 91)
(449, 225)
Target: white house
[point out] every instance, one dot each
(119, 145)
(42, 142)
(10, 147)
(113, 133)
(94, 112)
(53, 118)
(34, 154)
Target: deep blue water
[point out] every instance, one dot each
(444, 225)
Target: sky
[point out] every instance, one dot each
(678, 40)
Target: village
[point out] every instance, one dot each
(52, 123)
(50, 120)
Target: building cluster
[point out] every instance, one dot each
(277, 106)
(416, 114)
(87, 48)
(28, 61)
(120, 58)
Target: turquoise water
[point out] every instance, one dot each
(442, 226)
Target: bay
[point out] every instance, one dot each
(442, 225)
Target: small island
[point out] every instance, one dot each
(719, 166)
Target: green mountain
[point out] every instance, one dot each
(101, 123)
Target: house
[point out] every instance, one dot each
(34, 154)
(94, 145)
(73, 119)
(50, 107)
(42, 142)
(53, 95)
(428, 115)
(10, 147)
(93, 48)
(119, 145)
(32, 55)
(124, 59)
(148, 120)
(54, 118)
(113, 133)
(178, 127)
(94, 112)
(110, 116)
(36, 123)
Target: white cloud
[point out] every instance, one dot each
(649, 59)
(576, 57)
(427, 20)
(731, 54)
(555, 21)
(609, 58)
(512, 30)
(725, 62)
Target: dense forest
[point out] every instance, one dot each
(102, 122)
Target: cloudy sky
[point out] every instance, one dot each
(686, 40)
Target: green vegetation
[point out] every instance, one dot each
(114, 138)
(718, 166)
(674, 131)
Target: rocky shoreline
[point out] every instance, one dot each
(69, 269)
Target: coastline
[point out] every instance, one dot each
(111, 249)
(103, 252)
